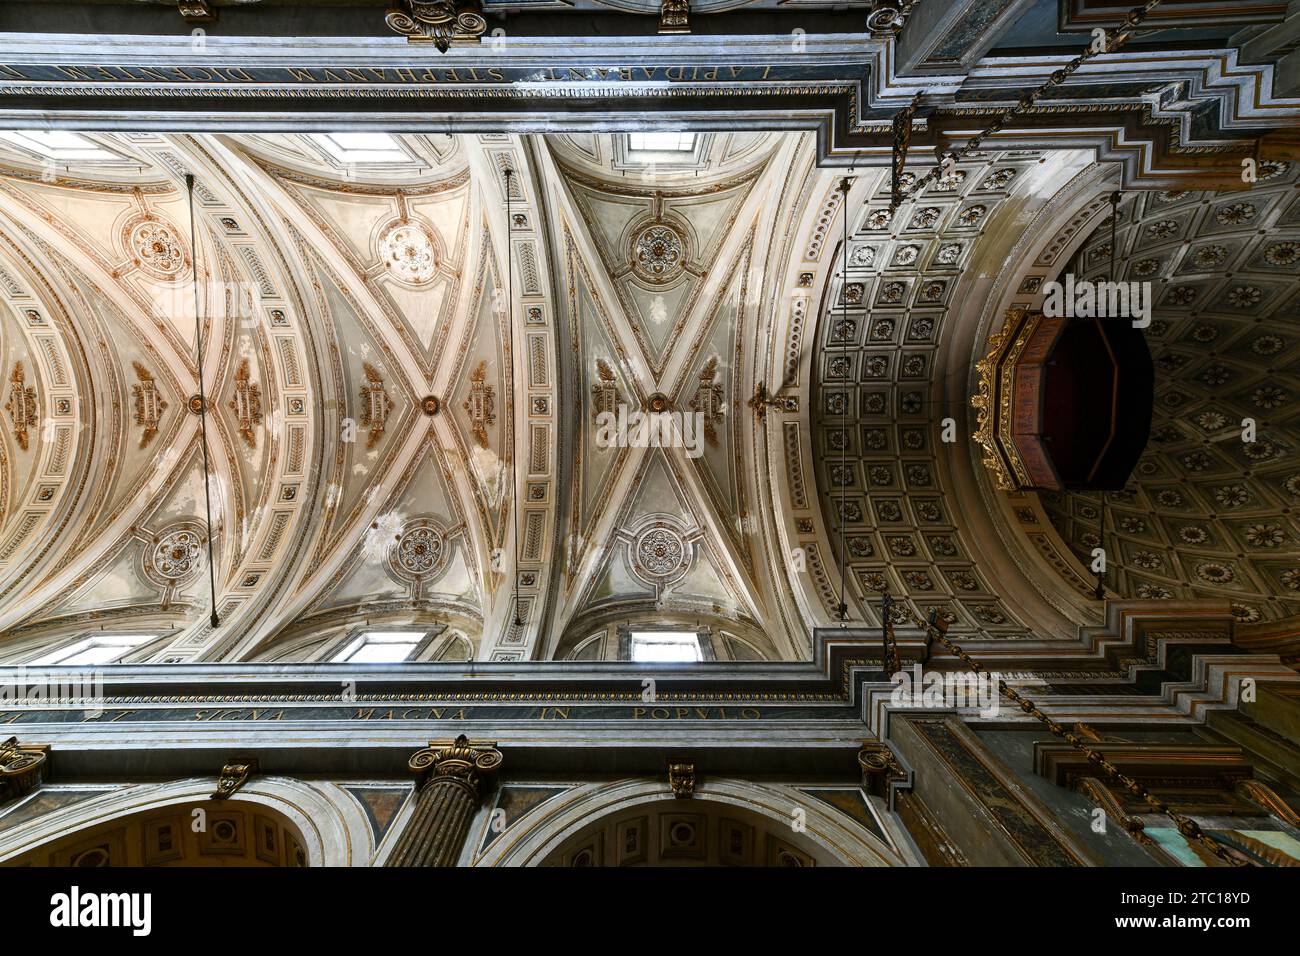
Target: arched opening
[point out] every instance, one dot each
(728, 822)
(195, 833)
(689, 833)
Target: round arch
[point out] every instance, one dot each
(271, 821)
(726, 822)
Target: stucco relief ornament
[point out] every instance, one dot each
(925, 218)
(375, 405)
(421, 551)
(247, 404)
(156, 247)
(658, 253)
(174, 555)
(480, 404)
(708, 400)
(409, 252)
(442, 23)
(149, 403)
(22, 407)
(604, 393)
(660, 554)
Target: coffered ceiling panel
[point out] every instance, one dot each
(1208, 514)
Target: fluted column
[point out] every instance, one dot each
(1264, 797)
(453, 777)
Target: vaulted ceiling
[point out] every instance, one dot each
(370, 429)
(402, 428)
(1210, 510)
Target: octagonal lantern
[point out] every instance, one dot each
(1064, 403)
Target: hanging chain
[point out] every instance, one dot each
(845, 185)
(214, 619)
(510, 305)
(1188, 827)
(1114, 40)
(892, 660)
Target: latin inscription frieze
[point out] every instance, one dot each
(368, 713)
(423, 75)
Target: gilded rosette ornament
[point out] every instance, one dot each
(442, 23)
(471, 763)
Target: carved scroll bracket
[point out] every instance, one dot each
(881, 770)
(234, 775)
(21, 768)
(681, 777)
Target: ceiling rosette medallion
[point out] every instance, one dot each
(22, 407)
(420, 552)
(409, 251)
(660, 553)
(442, 23)
(375, 405)
(659, 252)
(149, 403)
(480, 404)
(174, 555)
(155, 247)
(247, 404)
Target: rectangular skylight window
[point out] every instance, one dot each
(363, 147)
(97, 649)
(661, 142)
(59, 145)
(381, 647)
(657, 646)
